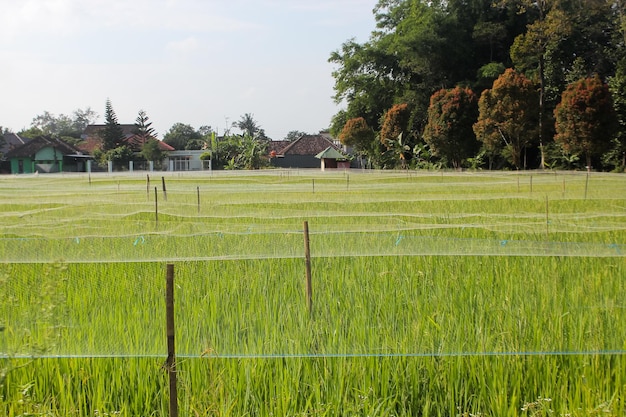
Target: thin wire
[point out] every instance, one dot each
(328, 355)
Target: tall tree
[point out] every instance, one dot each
(508, 115)
(143, 127)
(249, 126)
(529, 53)
(617, 86)
(365, 79)
(451, 115)
(585, 118)
(568, 40)
(112, 134)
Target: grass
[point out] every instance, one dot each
(434, 294)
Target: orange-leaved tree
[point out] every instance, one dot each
(507, 117)
(358, 134)
(585, 118)
(451, 115)
(394, 133)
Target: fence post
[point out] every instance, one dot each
(156, 205)
(164, 190)
(307, 261)
(170, 363)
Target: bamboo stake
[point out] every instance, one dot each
(307, 261)
(164, 190)
(170, 363)
(156, 205)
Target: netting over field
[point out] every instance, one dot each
(466, 265)
(363, 305)
(219, 245)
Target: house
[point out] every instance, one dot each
(44, 154)
(8, 142)
(92, 141)
(302, 152)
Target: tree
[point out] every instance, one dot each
(112, 134)
(358, 134)
(364, 80)
(143, 128)
(182, 136)
(294, 134)
(507, 118)
(395, 123)
(120, 155)
(83, 118)
(394, 134)
(449, 133)
(585, 118)
(68, 128)
(252, 153)
(31, 132)
(565, 41)
(249, 126)
(617, 87)
(151, 150)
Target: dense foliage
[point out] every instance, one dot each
(449, 133)
(419, 48)
(508, 117)
(585, 119)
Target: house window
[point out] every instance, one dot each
(181, 163)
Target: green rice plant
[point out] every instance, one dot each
(433, 294)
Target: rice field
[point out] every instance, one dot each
(434, 293)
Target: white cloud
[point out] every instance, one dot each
(26, 16)
(183, 47)
(190, 61)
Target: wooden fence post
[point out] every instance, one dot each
(307, 261)
(170, 363)
(156, 205)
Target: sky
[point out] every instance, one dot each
(197, 62)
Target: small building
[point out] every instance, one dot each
(187, 160)
(302, 152)
(44, 154)
(333, 159)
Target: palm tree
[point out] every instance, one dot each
(248, 125)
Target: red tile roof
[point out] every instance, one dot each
(308, 145)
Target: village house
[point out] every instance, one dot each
(44, 154)
(308, 151)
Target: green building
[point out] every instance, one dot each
(44, 154)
